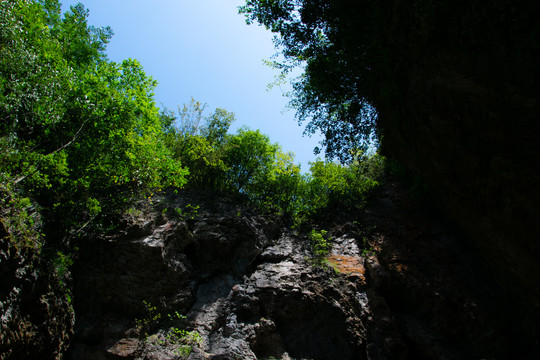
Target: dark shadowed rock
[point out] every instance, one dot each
(36, 315)
(396, 287)
(460, 106)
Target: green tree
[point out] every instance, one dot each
(332, 186)
(199, 142)
(249, 157)
(79, 135)
(282, 186)
(217, 126)
(190, 117)
(329, 184)
(207, 170)
(339, 46)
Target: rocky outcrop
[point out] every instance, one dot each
(247, 287)
(248, 292)
(396, 285)
(438, 294)
(36, 314)
(285, 309)
(162, 258)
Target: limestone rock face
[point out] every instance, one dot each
(161, 259)
(284, 308)
(398, 287)
(248, 287)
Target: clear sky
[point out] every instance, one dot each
(204, 49)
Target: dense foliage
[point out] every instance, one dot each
(79, 135)
(338, 45)
(248, 164)
(357, 57)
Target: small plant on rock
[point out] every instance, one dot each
(320, 244)
(185, 340)
(148, 323)
(182, 340)
(190, 212)
(133, 212)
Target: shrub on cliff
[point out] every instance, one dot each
(331, 186)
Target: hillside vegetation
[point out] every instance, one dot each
(449, 90)
(82, 138)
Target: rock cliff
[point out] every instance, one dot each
(395, 285)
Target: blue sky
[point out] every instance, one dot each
(204, 49)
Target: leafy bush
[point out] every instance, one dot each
(183, 339)
(199, 142)
(249, 157)
(62, 264)
(331, 186)
(281, 187)
(320, 244)
(20, 218)
(190, 212)
(204, 161)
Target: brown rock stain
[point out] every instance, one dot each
(350, 265)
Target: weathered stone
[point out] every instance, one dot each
(36, 314)
(124, 349)
(254, 296)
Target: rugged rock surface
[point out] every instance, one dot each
(162, 259)
(399, 286)
(285, 308)
(36, 316)
(438, 294)
(248, 288)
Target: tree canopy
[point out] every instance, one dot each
(79, 135)
(337, 44)
(361, 58)
(248, 164)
